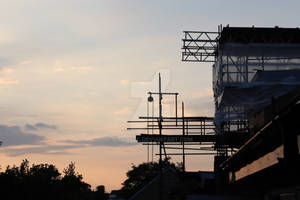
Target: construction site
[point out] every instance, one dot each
(253, 136)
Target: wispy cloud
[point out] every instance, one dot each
(61, 147)
(12, 135)
(39, 125)
(103, 141)
(44, 149)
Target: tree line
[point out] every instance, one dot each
(44, 181)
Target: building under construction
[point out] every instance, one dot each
(254, 135)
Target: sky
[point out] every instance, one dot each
(72, 72)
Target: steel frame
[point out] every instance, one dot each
(230, 70)
(180, 132)
(199, 46)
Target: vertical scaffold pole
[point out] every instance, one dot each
(160, 133)
(183, 133)
(160, 119)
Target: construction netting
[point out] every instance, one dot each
(247, 76)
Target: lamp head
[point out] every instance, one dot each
(150, 98)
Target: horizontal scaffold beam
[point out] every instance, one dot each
(233, 140)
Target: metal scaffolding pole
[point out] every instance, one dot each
(183, 133)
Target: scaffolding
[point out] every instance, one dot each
(199, 46)
(250, 67)
(174, 135)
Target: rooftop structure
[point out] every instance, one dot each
(250, 67)
(256, 80)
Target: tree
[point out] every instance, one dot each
(73, 184)
(140, 175)
(43, 181)
(70, 170)
(45, 172)
(100, 193)
(24, 167)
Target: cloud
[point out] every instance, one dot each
(103, 141)
(39, 125)
(30, 127)
(45, 149)
(63, 146)
(43, 125)
(12, 135)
